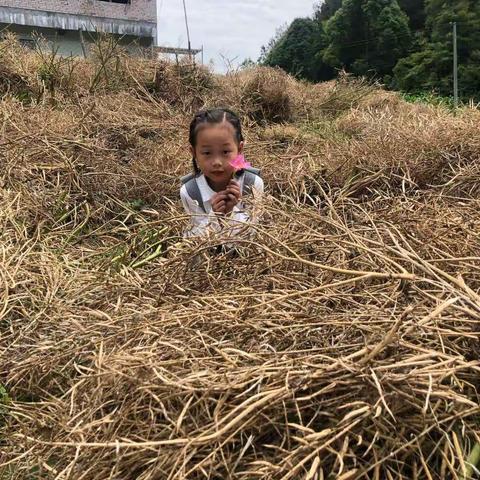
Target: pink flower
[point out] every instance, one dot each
(239, 163)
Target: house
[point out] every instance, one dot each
(73, 24)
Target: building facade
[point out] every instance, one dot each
(74, 24)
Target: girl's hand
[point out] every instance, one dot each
(219, 202)
(233, 195)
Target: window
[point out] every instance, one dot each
(125, 2)
(27, 43)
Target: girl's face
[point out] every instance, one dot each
(216, 146)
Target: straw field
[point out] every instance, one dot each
(342, 341)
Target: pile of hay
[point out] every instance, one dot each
(341, 343)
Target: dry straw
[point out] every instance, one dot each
(341, 342)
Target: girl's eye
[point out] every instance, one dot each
(226, 152)
(205, 153)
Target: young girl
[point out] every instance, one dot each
(213, 194)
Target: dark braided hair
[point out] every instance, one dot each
(214, 116)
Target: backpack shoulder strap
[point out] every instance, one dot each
(186, 178)
(249, 179)
(193, 190)
(255, 171)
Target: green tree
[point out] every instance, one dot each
(298, 50)
(415, 10)
(247, 63)
(326, 9)
(266, 49)
(431, 68)
(367, 37)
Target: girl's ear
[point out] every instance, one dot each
(240, 147)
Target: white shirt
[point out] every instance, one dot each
(204, 223)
